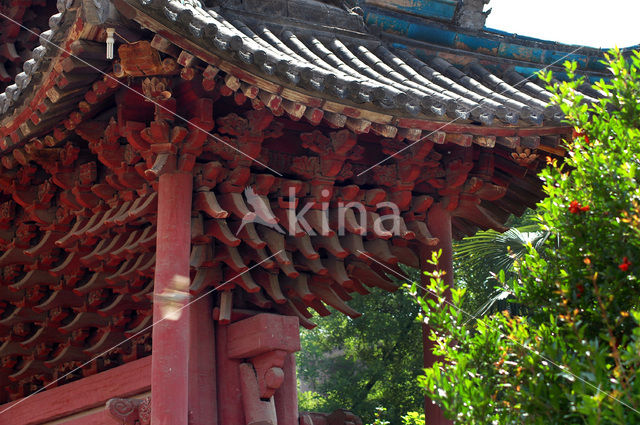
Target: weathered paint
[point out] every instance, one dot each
(386, 23)
(551, 56)
(520, 52)
(441, 9)
(492, 42)
(596, 64)
(431, 34)
(531, 71)
(480, 45)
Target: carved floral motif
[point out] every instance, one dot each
(130, 411)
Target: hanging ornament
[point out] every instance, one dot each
(110, 42)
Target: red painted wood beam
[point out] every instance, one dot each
(88, 393)
(100, 417)
(439, 224)
(171, 338)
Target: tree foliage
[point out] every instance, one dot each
(573, 359)
(478, 258)
(364, 363)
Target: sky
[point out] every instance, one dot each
(595, 23)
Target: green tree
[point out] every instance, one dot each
(478, 258)
(573, 358)
(364, 363)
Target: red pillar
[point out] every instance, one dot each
(286, 397)
(203, 405)
(230, 409)
(170, 361)
(439, 224)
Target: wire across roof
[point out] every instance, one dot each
(362, 69)
(346, 65)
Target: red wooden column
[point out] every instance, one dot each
(203, 405)
(230, 411)
(170, 362)
(439, 224)
(287, 395)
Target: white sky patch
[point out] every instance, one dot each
(594, 23)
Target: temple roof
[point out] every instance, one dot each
(416, 70)
(317, 94)
(357, 68)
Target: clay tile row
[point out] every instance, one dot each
(367, 72)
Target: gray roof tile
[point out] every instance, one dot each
(334, 64)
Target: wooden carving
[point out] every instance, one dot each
(262, 342)
(140, 59)
(130, 411)
(155, 88)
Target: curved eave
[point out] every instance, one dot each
(56, 89)
(21, 105)
(361, 79)
(64, 26)
(358, 82)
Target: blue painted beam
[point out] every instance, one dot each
(439, 9)
(498, 44)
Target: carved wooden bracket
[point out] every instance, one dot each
(130, 411)
(140, 59)
(262, 342)
(265, 340)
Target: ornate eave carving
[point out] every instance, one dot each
(130, 411)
